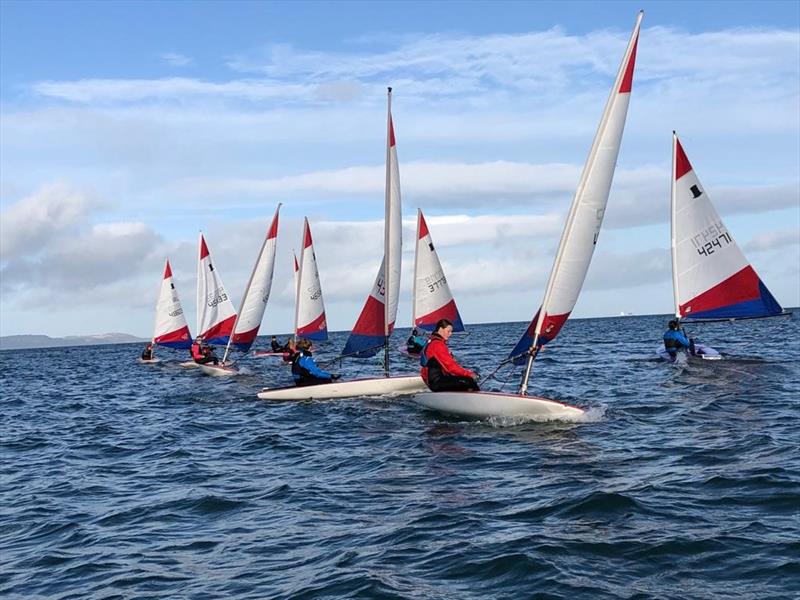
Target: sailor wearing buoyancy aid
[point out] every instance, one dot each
(202, 354)
(304, 370)
(675, 339)
(440, 371)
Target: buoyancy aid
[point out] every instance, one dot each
(197, 351)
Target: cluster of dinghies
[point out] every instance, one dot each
(712, 280)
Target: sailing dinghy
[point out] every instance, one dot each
(711, 278)
(569, 268)
(171, 329)
(254, 302)
(215, 312)
(376, 322)
(309, 314)
(265, 353)
(432, 298)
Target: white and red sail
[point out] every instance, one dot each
(432, 298)
(310, 320)
(712, 279)
(376, 322)
(586, 213)
(256, 294)
(171, 328)
(215, 312)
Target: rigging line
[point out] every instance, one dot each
(501, 365)
(341, 356)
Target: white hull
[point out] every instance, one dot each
(189, 364)
(377, 386)
(494, 404)
(152, 361)
(219, 370)
(702, 352)
(262, 354)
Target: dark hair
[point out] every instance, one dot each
(303, 344)
(673, 324)
(442, 323)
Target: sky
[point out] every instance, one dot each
(127, 127)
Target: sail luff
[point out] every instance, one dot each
(296, 289)
(416, 273)
(300, 278)
(199, 280)
(387, 224)
(673, 228)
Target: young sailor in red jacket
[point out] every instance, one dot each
(440, 371)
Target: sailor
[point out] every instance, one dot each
(440, 371)
(415, 342)
(203, 354)
(304, 370)
(147, 353)
(675, 339)
(276, 346)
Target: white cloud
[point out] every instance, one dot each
(28, 225)
(774, 240)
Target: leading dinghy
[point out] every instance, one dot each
(376, 322)
(171, 329)
(712, 280)
(254, 302)
(569, 268)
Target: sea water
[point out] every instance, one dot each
(124, 480)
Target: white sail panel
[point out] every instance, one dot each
(310, 322)
(376, 321)
(171, 328)
(393, 227)
(215, 312)
(589, 204)
(711, 276)
(256, 295)
(432, 299)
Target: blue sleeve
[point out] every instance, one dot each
(308, 363)
(681, 337)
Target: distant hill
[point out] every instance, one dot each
(19, 342)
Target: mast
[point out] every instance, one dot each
(414, 280)
(158, 301)
(299, 281)
(200, 301)
(595, 182)
(386, 235)
(673, 228)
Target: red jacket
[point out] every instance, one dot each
(436, 349)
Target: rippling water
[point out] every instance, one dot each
(122, 480)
